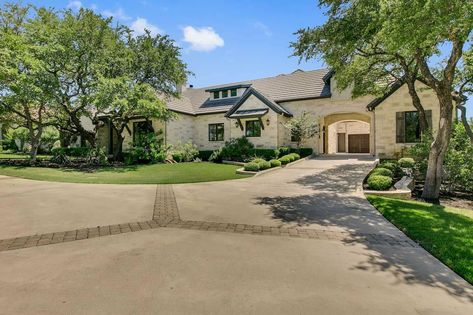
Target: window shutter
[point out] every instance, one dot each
(428, 117)
(400, 127)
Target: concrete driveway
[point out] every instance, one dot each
(321, 193)
(177, 270)
(33, 207)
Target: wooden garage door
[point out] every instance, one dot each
(359, 143)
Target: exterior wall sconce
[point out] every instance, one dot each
(237, 124)
(267, 122)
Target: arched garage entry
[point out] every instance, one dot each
(348, 133)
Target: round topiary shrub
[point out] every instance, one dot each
(258, 160)
(295, 156)
(252, 167)
(275, 163)
(383, 171)
(264, 165)
(389, 165)
(284, 160)
(406, 162)
(379, 182)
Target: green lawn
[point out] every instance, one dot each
(141, 174)
(447, 233)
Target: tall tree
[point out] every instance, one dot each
(23, 100)
(145, 72)
(371, 44)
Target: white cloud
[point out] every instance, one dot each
(202, 39)
(74, 5)
(260, 26)
(118, 14)
(140, 24)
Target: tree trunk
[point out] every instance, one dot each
(35, 143)
(438, 149)
(117, 153)
(417, 104)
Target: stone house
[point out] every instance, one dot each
(259, 108)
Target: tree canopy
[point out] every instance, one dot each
(371, 44)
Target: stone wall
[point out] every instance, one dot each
(385, 118)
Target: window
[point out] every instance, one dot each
(216, 132)
(253, 128)
(141, 128)
(225, 93)
(216, 94)
(233, 92)
(408, 127)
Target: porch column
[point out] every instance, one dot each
(372, 134)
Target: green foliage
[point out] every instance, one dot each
(266, 153)
(406, 162)
(285, 159)
(97, 156)
(238, 149)
(73, 151)
(251, 166)
(264, 165)
(17, 138)
(216, 156)
(303, 151)
(186, 152)
(275, 163)
(205, 155)
(379, 182)
(48, 138)
(258, 160)
(302, 127)
(458, 164)
(148, 149)
(284, 151)
(382, 171)
(295, 156)
(390, 165)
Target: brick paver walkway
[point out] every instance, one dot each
(166, 214)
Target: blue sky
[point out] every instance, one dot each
(222, 41)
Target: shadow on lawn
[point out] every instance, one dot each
(331, 205)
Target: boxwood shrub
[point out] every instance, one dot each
(406, 162)
(264, 165)
(383, 171)
(267, 154)
(252, 167)
(258, 160)
(285, 159)
(379, 182)
(295, 156)
(275, 163)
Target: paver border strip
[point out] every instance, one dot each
(166, 214)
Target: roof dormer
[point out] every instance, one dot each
(227, 91)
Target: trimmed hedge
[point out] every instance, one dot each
(382, 171)
(264, 165)
(252, 167)
(379, 182)
(295, 156)
(258, 160)
(275, 163)
(205, 154)
(406, 162)
(285, 160)
(266, 154)
(303, 152)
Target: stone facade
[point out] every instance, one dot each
(385, 118)
(339, 111)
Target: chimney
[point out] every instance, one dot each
(181, 88)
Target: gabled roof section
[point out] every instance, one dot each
(394, 87)
(284, 87)
(252, 91)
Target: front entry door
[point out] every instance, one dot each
(359, 143)
(341, 142)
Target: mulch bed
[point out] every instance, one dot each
(455, 199)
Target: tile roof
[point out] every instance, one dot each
(284, 87)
